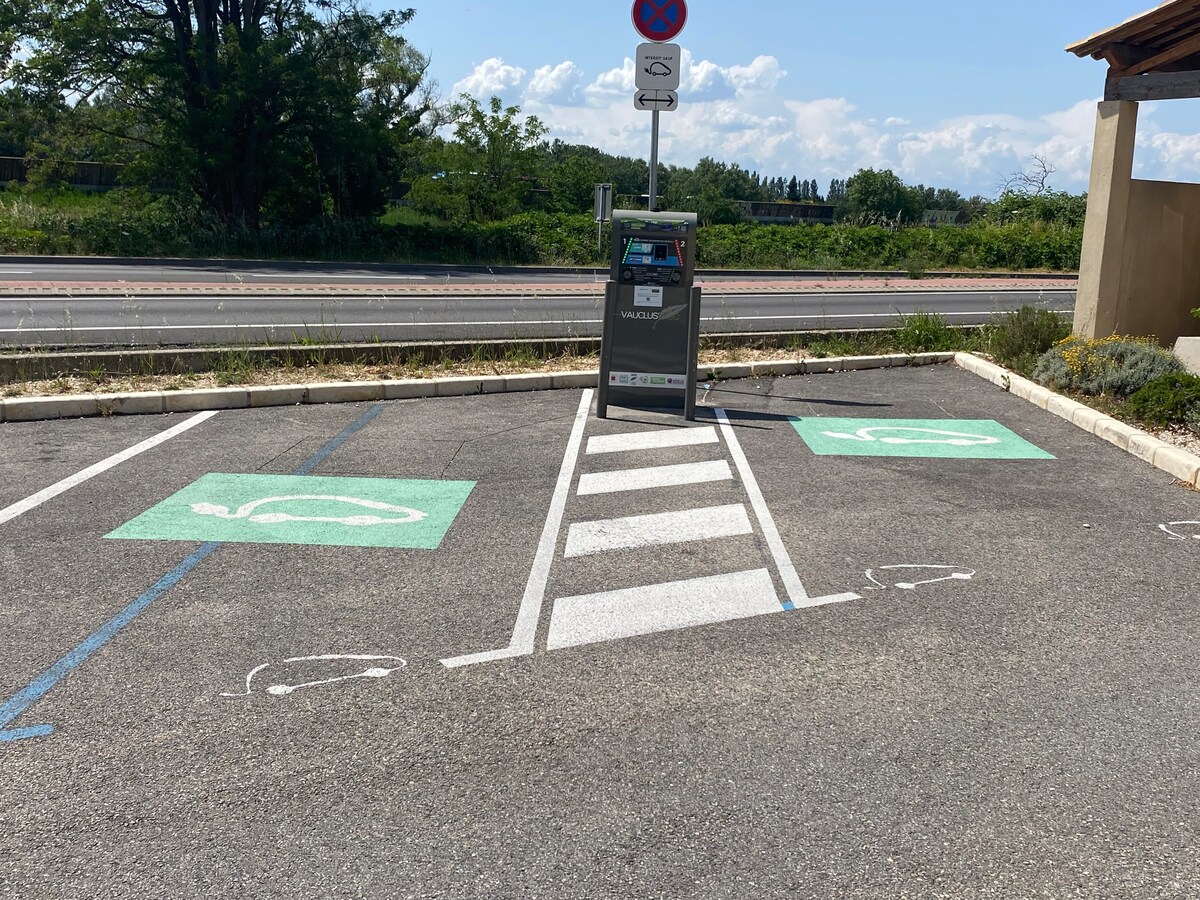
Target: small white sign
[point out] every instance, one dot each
(656, 67)
(656, 101)
(649, 296)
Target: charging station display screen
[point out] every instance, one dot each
(640, 252)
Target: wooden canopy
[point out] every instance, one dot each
(1153, 56)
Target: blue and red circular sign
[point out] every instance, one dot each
(659, 20)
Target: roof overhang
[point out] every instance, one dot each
(1161, 40)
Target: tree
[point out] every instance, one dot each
(287, 109)
(489, 168)
(1033, 181)
(814, 191)
(882, 195)
(793, 190)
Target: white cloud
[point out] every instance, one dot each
(555, 84)
(492, 76)
(743, 114)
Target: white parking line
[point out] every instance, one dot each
(23, 506)
(525, 630)
(797, 596)
(656, 476)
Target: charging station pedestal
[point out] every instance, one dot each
(651, 331)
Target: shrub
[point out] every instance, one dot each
(1114, 366)
(1172, 399)
(924, 332)
(1017, 339)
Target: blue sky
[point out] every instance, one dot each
(955, 94)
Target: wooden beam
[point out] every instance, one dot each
(1182, 50)
(1122, 56)
(1160, 86)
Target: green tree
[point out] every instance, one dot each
(882, 195)
(489, 169)
(287, 109)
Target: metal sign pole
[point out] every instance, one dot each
(652, 202)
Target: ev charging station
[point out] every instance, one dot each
(651, 330)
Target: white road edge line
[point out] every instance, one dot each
(525, 630)
(284, 278)
(797, 596)
(23, 506)
(128, 329)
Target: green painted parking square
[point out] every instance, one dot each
(936, 438)
(294, 509)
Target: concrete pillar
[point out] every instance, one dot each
(1098, 304)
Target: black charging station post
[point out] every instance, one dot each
(651, 330)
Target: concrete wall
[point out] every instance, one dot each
(1140, 269)
(1160, 269)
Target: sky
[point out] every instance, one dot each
(948, 94)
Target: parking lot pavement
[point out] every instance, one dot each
(888, 633)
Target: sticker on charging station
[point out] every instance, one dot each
(648, 380)
(646, 295)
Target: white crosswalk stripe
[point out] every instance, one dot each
(655, 476)
(657, 529)
(610, 615)
(660, 439)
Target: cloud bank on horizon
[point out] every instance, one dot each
(737, 114)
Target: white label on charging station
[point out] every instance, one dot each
(647, 295)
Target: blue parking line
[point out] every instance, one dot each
(49, 679)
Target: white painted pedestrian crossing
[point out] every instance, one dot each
(657, 529)
(611, 615)
(653, 477)
(696, 597)
(660, 439)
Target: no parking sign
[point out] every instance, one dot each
(659, 20)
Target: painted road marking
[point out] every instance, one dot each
(797, 596)
(659, 439)
(280, 689)
(926, 438)
(496, 323)
(525, 630)
(304, 509)
(612, 615)
(657, 476)
(285, 276)
(657, 529)
(1169, 528)
(23, 506)
(47, 680)
(951, 573)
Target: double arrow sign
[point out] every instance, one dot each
(656, 100)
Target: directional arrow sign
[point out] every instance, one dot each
(660, 101)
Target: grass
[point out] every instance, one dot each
(310, 362)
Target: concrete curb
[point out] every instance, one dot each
(1176, 462)
(28, 409)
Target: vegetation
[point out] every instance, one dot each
(286, 127)
(1171, 399)
(1114, 366)
(1018, 339)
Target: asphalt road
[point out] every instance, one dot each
(251, 272)
(1017, 724)
(55, 304)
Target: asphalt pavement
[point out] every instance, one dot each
(893, 633)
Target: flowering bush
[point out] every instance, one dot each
(1114, 366)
